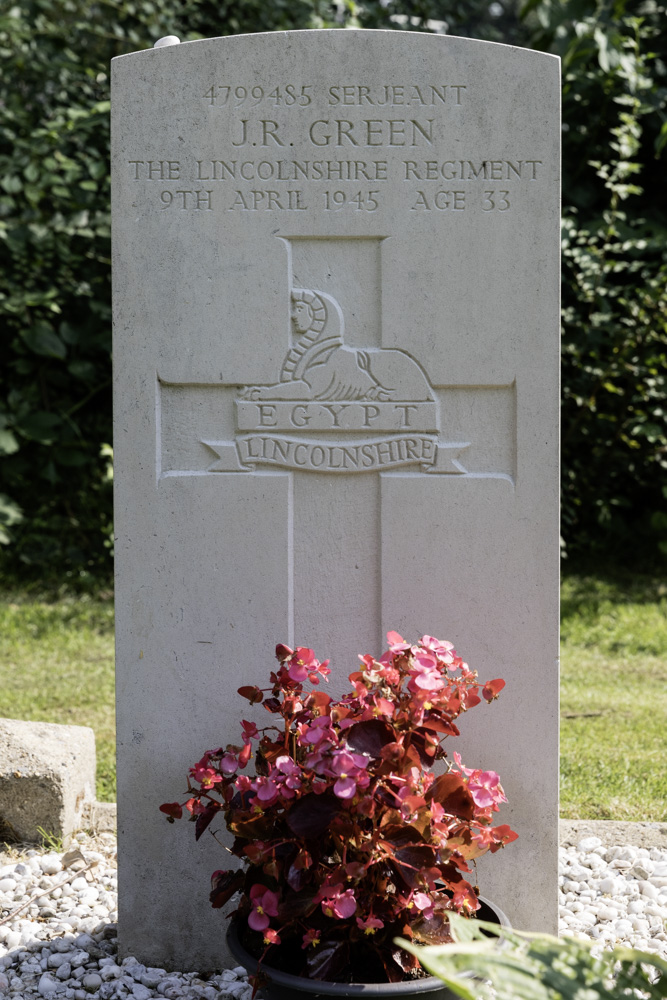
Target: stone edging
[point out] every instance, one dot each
(101, 816)
(612, 833)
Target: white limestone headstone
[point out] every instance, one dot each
(336, 283)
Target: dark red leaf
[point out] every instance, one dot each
(452, 878)
(271, 869)
(417, 856)
(355, 869)
(298, 904)
(329, 960)
(312, 814)
(450, 791)
(205, 818)
(404, 960)
(283, 652)
(464, 845)
(319, 700)
(400, 835)
(370, 737)
(252, 693)
(172, 809)
(424, 748)
(413, 863)
(224, 885)
(502, 835)
(297, 877)
(272, 705)
(438, 724)
(492, 689)
(432, 930)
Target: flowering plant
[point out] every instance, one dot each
(348, 838)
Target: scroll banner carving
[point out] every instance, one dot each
(304, 454)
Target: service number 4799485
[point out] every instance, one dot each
(220, 96)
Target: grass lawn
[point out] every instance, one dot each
(56, 665)
(614, 698)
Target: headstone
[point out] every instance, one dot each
(336, 405)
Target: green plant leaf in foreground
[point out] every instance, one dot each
(519, 966)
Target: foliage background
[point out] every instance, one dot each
(55, 344)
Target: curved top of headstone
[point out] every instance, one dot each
(338, 39)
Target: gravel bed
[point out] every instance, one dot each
(63, 942)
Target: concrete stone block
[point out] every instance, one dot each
(100, 817)
(47, 773)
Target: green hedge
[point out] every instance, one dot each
(55, 413)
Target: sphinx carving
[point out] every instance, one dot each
(320, 366)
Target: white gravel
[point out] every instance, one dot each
(615, 895)
(63, 943)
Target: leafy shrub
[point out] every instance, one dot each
(55, 412)
(537, 966)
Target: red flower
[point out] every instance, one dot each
(311, 936)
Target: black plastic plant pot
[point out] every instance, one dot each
(283, 986)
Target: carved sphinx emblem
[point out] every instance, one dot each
(320, 366)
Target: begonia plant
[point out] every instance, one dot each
(347, 836)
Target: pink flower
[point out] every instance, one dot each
(350, 770)
(444, 650)
(271, 936)
(229, 764)
(425, 673)
(371, 925)
(397, 643)
(206, 776)
(265, 790)
(383, 707)
(250, 730)
(336, 903)
(288, 775)
(372, 672)
(318, 731)
(484, 786)
(265, 905)
(423, 903)
(303, 665)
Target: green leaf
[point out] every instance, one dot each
(10, 514)
(40, 426)
(70, 457)
(83, 370)
(42, 339)
(68, 333)
(8, 443)
(11, 183)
